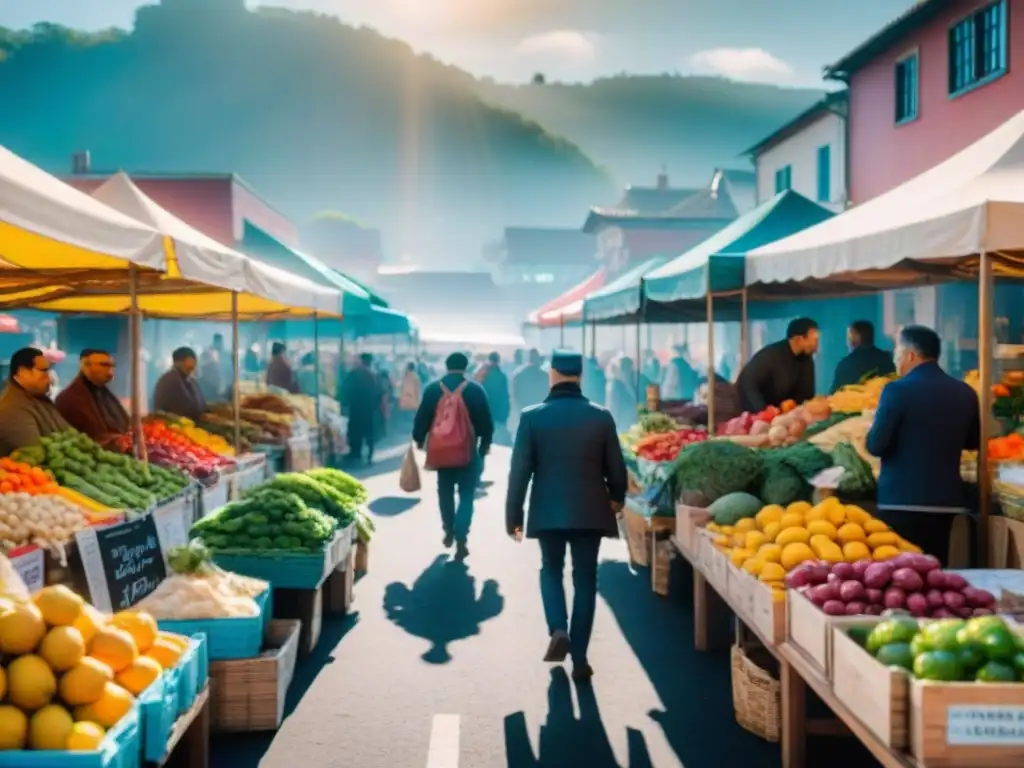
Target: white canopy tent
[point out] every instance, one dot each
(929, 229)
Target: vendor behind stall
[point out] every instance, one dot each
(781, 371)
(865, 360)
(87, 404)
(279, 370)
(924, 421)
(26, 411)
(177, 391)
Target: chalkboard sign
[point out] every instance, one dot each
(123, 563)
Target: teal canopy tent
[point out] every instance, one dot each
(619, 301)
(382, 321)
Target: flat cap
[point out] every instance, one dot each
(567, 363)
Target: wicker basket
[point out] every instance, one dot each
(756, 693)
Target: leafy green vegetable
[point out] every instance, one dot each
(714, 468)
(858, 479)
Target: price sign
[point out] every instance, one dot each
(985, 725)
(123, 563)
(173, 521)
(30, 563)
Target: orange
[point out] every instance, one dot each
(114, 704)
(142, 673)
(141, 626)
(114, 647)
(166, 654)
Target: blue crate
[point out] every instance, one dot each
(158, 710)
(284, 570)
(234, 638)
(122, 748)
(192, 668)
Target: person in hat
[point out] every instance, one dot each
(568, 448)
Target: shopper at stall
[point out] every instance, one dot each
(622, 394)
(279, 370)
(361, 401)
(865, 359)
(781, 371)
(529, 383)
(680, 378)
(567, 454)
(924, 421)
(454, 426)
(88, 405)
(177, 391)
(26, 411)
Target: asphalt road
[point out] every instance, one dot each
(441, 664)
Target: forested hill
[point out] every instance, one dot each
(314, 114)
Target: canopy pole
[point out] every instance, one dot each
(985, 332)
(135, 371)
(236, 393)
(593, 338)
(316, 381)
(744, 330)
(583, 328)
(561, 330)
(711, 363)
(639, 363)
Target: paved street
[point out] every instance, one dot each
(441, 666)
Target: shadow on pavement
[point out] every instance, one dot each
(249, 748)
(442, 606)
(566, 741)
(392, 506)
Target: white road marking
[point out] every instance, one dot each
(444, 742)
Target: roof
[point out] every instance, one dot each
(834, 102)
(740, 185)
(538, 245)
(622, 295)
(647, 201)
(917, 15)
(711, 203)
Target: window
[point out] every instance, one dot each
(906, 89)
(825, 174)
(977, 48)
(783, 179)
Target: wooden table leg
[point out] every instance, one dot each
(197, 739)
(701, 593)
(794, 717)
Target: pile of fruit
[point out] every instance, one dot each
(111, 479)
(983, 650)
(186, 427)
(653, 422)
(776, 540)
(39, 520)
(911, 582)
(71, 673)
(665, 446)
(778, 426)
(172, 450)
(856, 398)
(17, 477)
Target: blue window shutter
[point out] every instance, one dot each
(825, 174)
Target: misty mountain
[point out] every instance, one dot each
(634, 124)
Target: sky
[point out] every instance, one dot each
(778, 41)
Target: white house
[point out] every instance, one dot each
(807, 155)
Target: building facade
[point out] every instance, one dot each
(928, 85)
(807, 154)
(542, 261)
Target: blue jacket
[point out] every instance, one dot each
(568, 448)
(923, 423)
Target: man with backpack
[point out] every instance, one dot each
(454, 425)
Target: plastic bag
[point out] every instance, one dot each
(409, 477)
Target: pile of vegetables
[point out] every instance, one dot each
(112, 479)
(858, 479)
(342, 482)
(188, 428)
(17, 477)
(42, 520)
(912, 582)
(788, 470)
(855, 398)
(271, 520)
(982, 650)
(172, 450)
(315, 494)
(649, 423)
(777, 426)
(365, 527)
(198, 589)
(707, 470)
(273, 428)
(665, 446)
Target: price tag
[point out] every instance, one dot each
(123, 563)
(30, 563)
(985, 725)
(172, 521)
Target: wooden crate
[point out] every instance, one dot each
(362, 557)
(967, 724)
(809, 630)
(248, 694)
(739, 586)
(338, 592)
(639, 541)
(689, 521)
(716, 568)
(767, 613)
(305, 605)
(878, 696)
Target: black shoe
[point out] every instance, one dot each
(582, 673)
(461, 553)
(558, 647)
(448, 541)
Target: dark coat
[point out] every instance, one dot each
(568, 448)
(476, 404)
(923, 423)
(774, 375)
(281, 375)
(24, 419)
(96, 411)
(866, 361)
(361, 396)
(495, 384)
(179, 394)
(530, 386)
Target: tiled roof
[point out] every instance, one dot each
(741, 186)
(538, 245)
(706, 204)
(650, 201)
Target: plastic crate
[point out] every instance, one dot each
(226, 639)
(284, 570)
(122, 748)
(192, 671)
(158, 710)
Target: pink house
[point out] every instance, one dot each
(927, 85)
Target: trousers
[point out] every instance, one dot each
(584, 547)
(457, 518)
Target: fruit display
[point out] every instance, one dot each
(1008, 448)
(19, 477)
(982, 650)
(856, 398)
(910, 581)
(173, 450)
(39, 520)
(182, 426)
(112, 479)
(778, 540)
(198, 589)
(272, 520)
(72, 673)
(778, 426)
(650, 423)
(665, 446)
(316, 494)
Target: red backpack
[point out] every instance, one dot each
(451, 440)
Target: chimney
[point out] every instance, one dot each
(663, 178)
(81, 163)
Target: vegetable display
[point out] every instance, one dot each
(39, 520)
(855, 398)
(16, 477)
(173, 450)
(665, 446)
(112, 479)
(713, 468)
(186, 427)
(365, 527)
(271, 520)
(778, 426)
(858, 479)
(787, 471)
(342, 482)
(982, 650)
(315, 494)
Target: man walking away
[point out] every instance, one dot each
(360, 397)
(495, 384)
(454, 426)
(568, 448)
